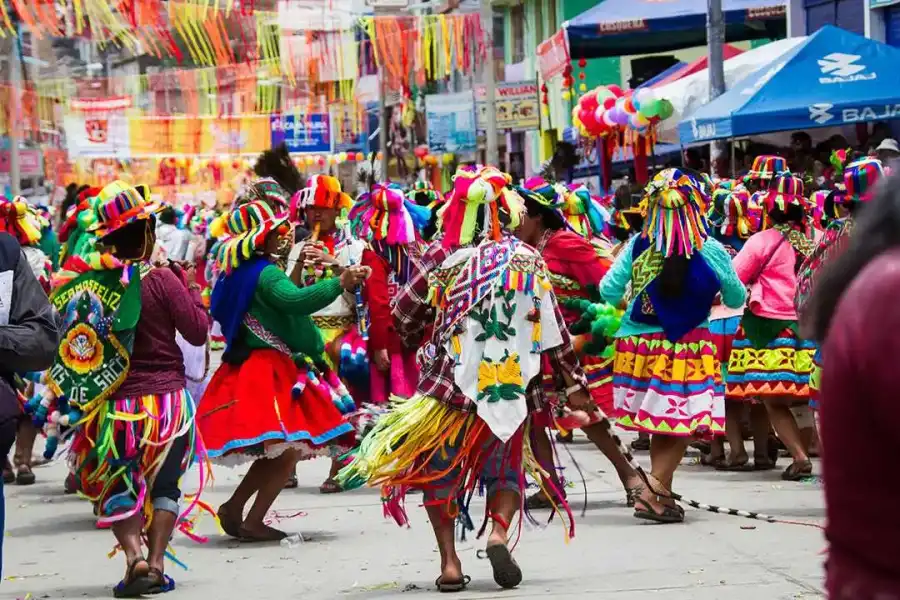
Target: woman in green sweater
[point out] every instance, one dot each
(273, 401)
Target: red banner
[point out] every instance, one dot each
(553, 55)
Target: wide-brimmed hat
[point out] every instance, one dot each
(247, 226)
(767, 167)
(786, 190)
(120, 204)
(888, 144)
(860, 178)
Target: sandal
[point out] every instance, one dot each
(291, 483)
(228, 523)
(632, 495)
(507, 573)
(134, 585)
(641, 444)
(539, 501)
(707, 460)
(670, 514)
(744, 466)
(24, 476)
(452, 586)
(330, 487)
(160, 582)
(797, 471)
(763, 463)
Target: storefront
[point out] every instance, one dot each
(846, 14)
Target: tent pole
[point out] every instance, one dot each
(715, 40)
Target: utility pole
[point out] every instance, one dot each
(15, 112)
(715, 40)
(492, 154)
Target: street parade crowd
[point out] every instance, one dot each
(444, 343)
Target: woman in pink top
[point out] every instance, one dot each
(769, 362)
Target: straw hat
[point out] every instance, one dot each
(247, 226)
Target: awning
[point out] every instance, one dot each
(833, 78)
(626, 27)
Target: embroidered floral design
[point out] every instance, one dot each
(500, 380)
(490, 322)
(81, 350)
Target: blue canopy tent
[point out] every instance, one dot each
(833, 78)
(626, 27)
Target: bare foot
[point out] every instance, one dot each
(451, 571)
(259, 532)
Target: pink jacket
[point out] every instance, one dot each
(772, 292)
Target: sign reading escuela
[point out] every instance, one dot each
(516, 106)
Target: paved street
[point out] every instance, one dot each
(53, 551)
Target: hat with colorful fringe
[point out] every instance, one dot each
(583, 214)
(549, 194)
(22, 220)
(474, 188)
(386, 215)
(265, 190)
(767, 167)
(424, 194)
(860, 178)
(324, 191)
(816, 205)
(120, 204)
(248, 226)
(676, 213)
(786, 190)
(730, 204)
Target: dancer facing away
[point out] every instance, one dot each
(28, 339)
(273, 399)
(138, 436)
(327, 251)
(480, 375)
(770, 362)
(576, 268)
(665, 355)
(22, 220)
(853, 312)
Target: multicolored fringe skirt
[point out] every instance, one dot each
(671, 388)
(769, 361)
(119, 449)
(266, 405)
(424, 444)
(815, 380)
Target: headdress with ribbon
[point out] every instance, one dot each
(324, 191)
(120, 204)
(475, 188)
(766, 167)
(22, 220)
(583, 214)
(730, 210)
(860, 178)
(265, 190)
(248, 226)
(676, 213)
(786, 190)
(424, 194)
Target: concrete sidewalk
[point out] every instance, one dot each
(53, 551)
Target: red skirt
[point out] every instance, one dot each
(252, 411)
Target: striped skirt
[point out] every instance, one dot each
(780, 369)
(672, 388)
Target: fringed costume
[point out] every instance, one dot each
(494, 316)
(666, 376)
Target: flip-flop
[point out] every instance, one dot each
(136, 586)
(291, 483)
(161, 583)
(669, 514)
(797, 471)
(452, 586)
(330, 487)
(228, 523)
(507, 573)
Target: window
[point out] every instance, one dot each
(517, 33)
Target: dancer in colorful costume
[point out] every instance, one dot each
(769, 362)
(494, 316)
(766, 167)
(21, 220)
(665, 354)
(389, 224)
(122, 374)
(860, 179)
(273, 401)
(325, 253)
(576, 267)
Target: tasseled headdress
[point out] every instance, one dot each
(582, 213)
(676, 213)
(474, 188)
(324, 191)
(729, 210)
(21, 220)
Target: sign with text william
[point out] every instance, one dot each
(516, 105)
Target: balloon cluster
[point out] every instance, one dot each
(608, 109)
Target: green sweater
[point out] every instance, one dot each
(284, 310)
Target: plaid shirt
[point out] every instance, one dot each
(413, 313)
